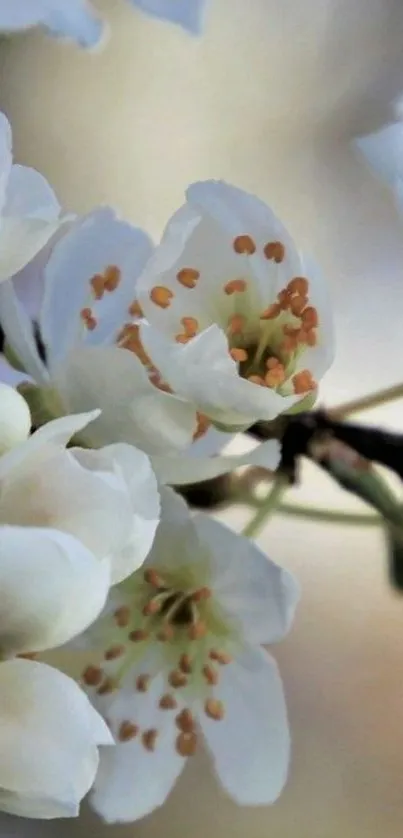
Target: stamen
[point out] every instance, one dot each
(210, 674)
(201, 594)
(186, 744)
(311, 338)
(138, 635)
(129, 338)
(284, 299)
(214, 709)
(275, 251)
(152, 577)
(143, 683)
(256, 379)
(271, 312)
(177, 679)
(161, 296)
(236, 324)
(122, 616)
(166, 634)
(149, 739)
(190, 325)
(272, 362)
(303, 382)
(310, 317)
(112, 277)
(108, 686)
(88, 319)
(185, 663)
(92, 676)
(238, 355)
(152, 607)
(244, 244)
(274, 378)
(97, 285)
(235, 286)
(114, 652)
(222, 658)
(127, 731)
(188, 277)
(135, 309)
(185, 721)
(168, 702)
(197, 630)
(203, 424)
(297, 305)
(299, 285)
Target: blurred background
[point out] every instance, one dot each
(270, 99)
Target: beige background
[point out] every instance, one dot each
(269, 99)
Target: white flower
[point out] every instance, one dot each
(187, 13)
(94, 355)
(74, 19)
(182, 658)
(49, 739)
(383, 150)
(29, 210)
(237, 324)
(15, 418)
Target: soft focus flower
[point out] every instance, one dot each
(237, 323)
(383, 151)
(15, 418)
(29, 210)
(187, 13)
(86, 315)
(74, 19)
(182, 659)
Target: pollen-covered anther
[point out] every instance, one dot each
(303, 382)
(143, 683)
(152, 577)
(88, 319)
(167, 702)
(109, 685)
(161, 296)
(298, 285)
(190, 325)
(92, 676)
(223, 658)
(238, 354)
(236, 324)
(186, 744)
(271, 312)
(274, 250)
(149, 739)
(138, 635)
(135, 309)
(210, 674)
(284, 299)
(275, 372)
(214, 709)
(127, 731)
(129, 338)
(310, 318)
(177, 679)
(166, 633)
(185, 664)
(122, 616)
(182, 338)
(235, 286)
(311, 337)
(197, 630)
(257, 379)
(153, 606)
(185, 721)
(97, 283)
(203, 424)
(112, 277)
(114, 652)
(297, 305)
(201, 594)
(244, 244)
(188, 277)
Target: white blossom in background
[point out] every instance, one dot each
(87, 314)
(182, 661)
(29, 210)
(186, 13)
(74, 19)
(49, 740)
(383, 150)
(15, 418)
(238, 324)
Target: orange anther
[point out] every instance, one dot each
(161, 296)
(275, 377)
(168, 702)
(221, 657)
(297, 305)
(185, 721)
(197, 630)
(256, 379)
(272, 362)
(238, 355)
(303, 382)
(188, 277)
(112, 277)
(244, 244)
(153, 606)
(236, 324)
(186, 744)
(235, 286)
(210, 674)
(114, 652)
(214, 709)
(149, 739)
(88, 319)
(143, 683)
(127, 731)
(135, 309)
(190, 325)
(152, 577)
(298, 285)
(271, 312)
(122, 616)
(310, 317)
(274, 250)
(138, 635)
(97, 283)
(201, 593)
(92, 676)
(177, 679)
(185, 663)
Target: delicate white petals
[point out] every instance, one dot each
(52, 588)
(94, 244)
(9, 375)
(133, 781)
(73, 19)
(256, 592)
(185, 469)
(383, 151)
(15, 418)
(187, 13)
(176, 538)
(250, 746)
(49, 736)
(29, 194)
(5, 154)
(133, 410)
(19, 332)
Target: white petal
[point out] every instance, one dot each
(15, 418)
(131, 781)
(5, 152)
(176, 537)
(383, 150)
(258, 594)
(133, 410)
(21, 239)
(29, 194)
(179, 471)
(52, 588)
(94, 243)
(145, 506)
(250, 746)
(18, 329)
(73, 19)
(9, 375)
(49, 735)
(58, 432)
(187, 13)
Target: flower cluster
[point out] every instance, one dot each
(134, 365)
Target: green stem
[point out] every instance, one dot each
(267, 508)
(389, 394)
(330, 516)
